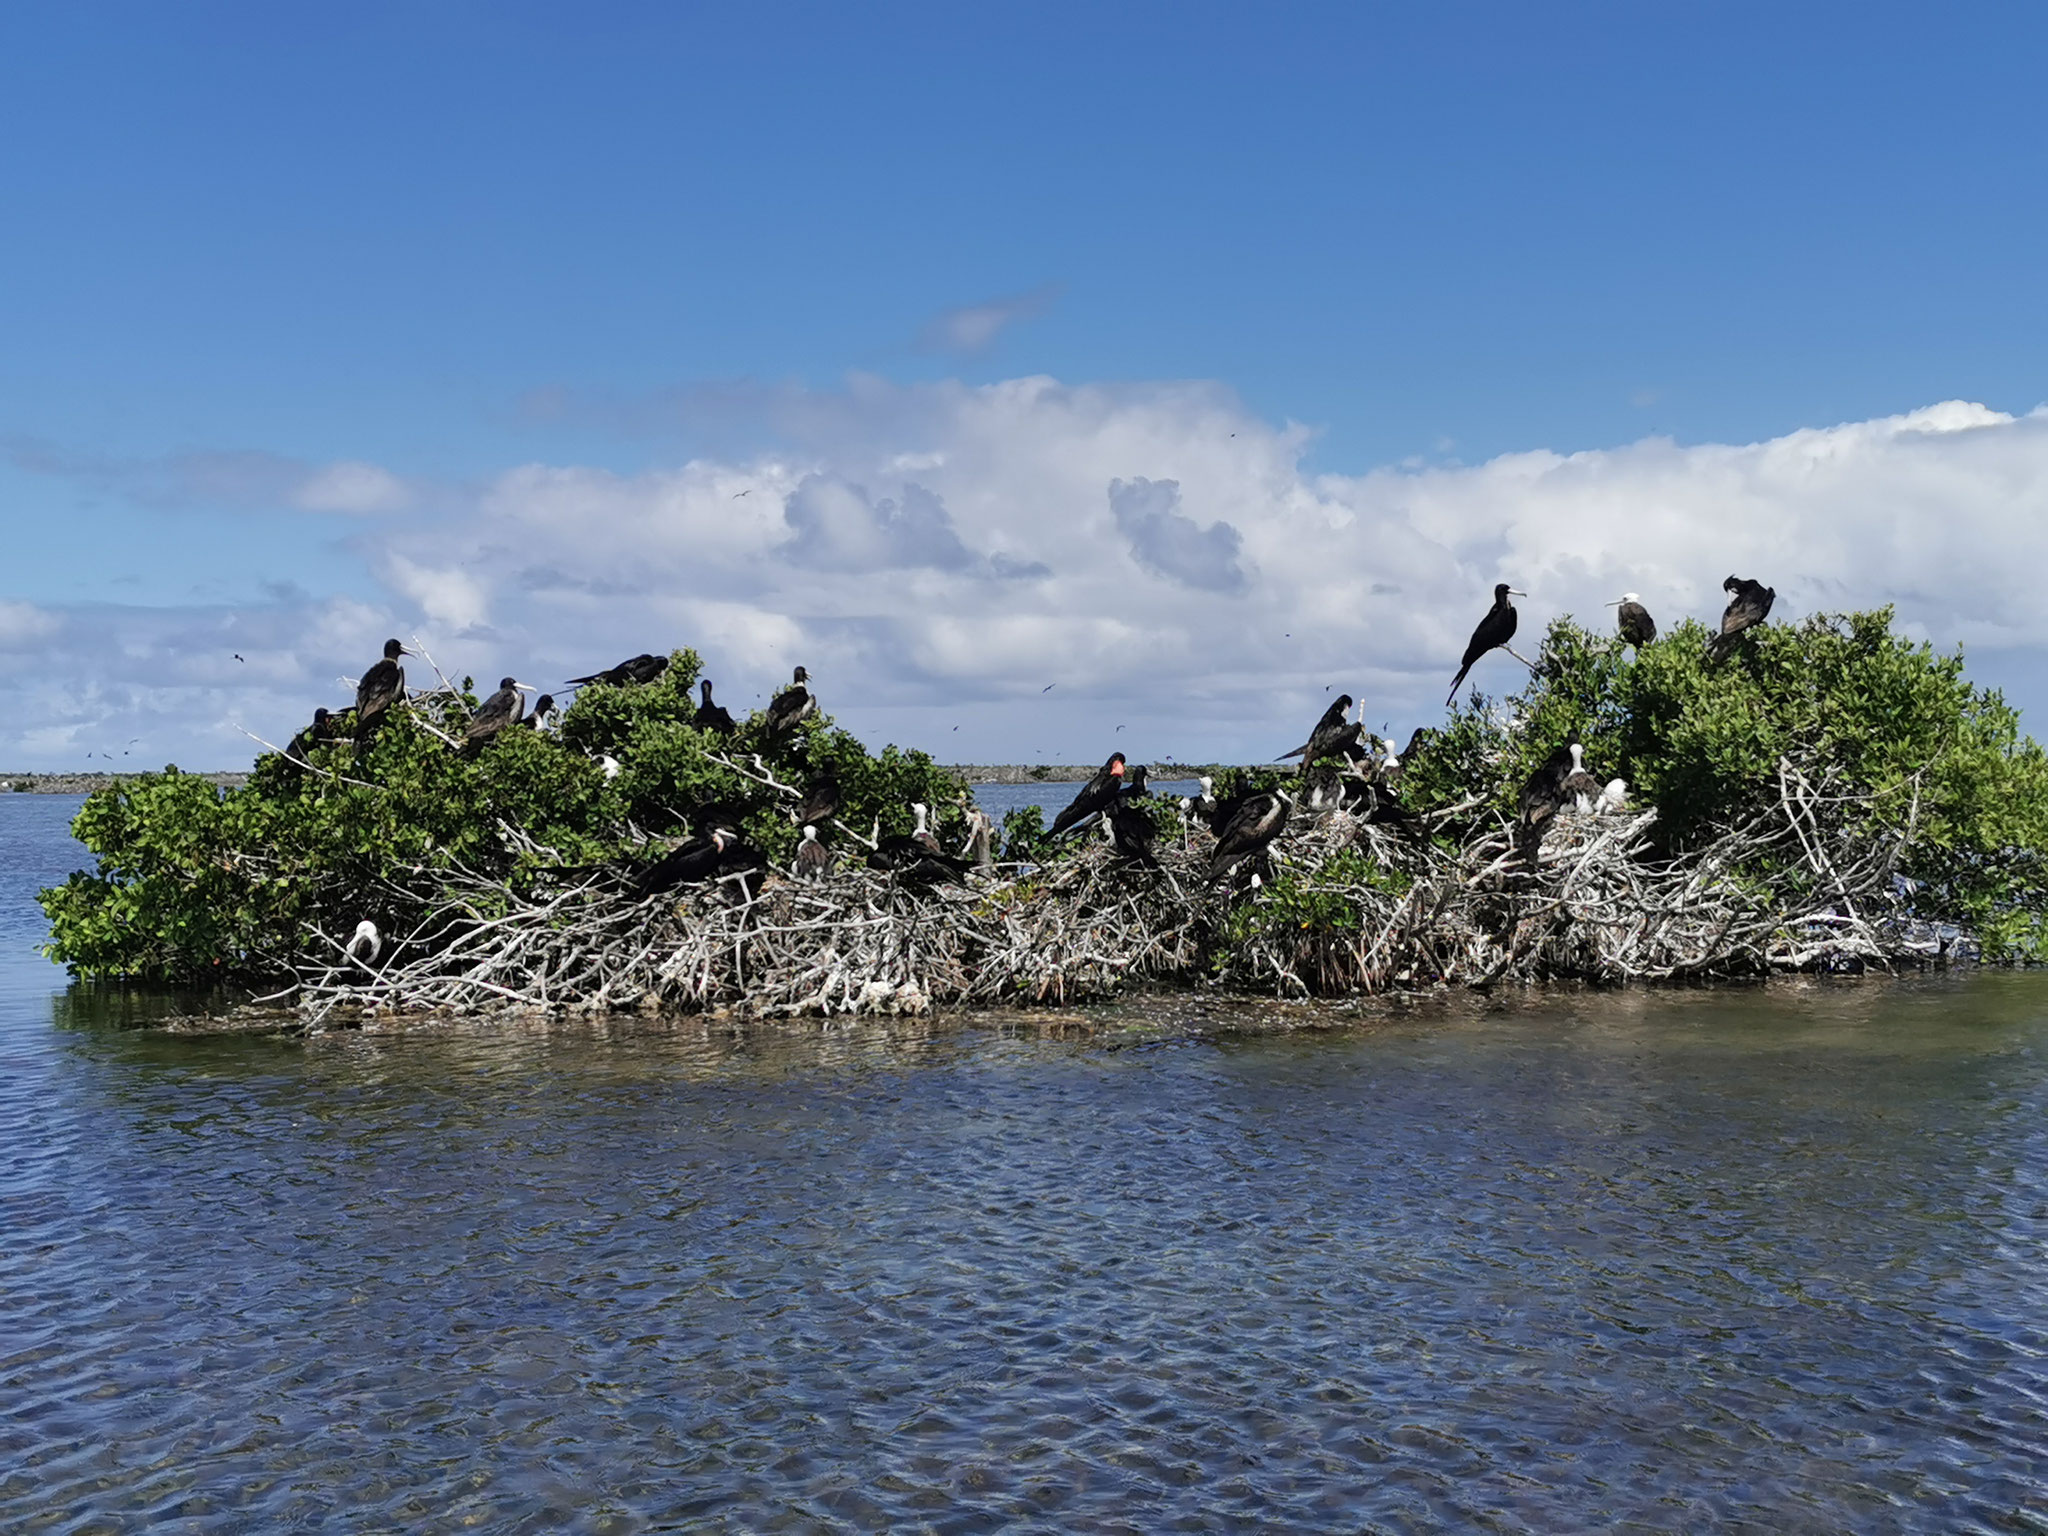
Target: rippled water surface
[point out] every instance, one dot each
(1713, 1261)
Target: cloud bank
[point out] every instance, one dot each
(939, 555)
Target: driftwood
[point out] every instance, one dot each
(1341, 907)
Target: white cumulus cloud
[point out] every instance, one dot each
(1037, 563)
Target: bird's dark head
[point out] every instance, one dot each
(393, 650)
(1732, 584)
(1502, 592)
(705, 685)
(319, 717)
(544, 703)
(1343, 702)
(508, 682)
(802, 676)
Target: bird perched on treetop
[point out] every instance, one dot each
(308, 738)
(644, 668)
(1496, 629)
(501, 710)
(1633, 620)
(794, 703)
(710, 716)
(1748, 606)
(381, 687)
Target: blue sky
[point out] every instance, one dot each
(438, 244)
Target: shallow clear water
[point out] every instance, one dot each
(1767, 1260)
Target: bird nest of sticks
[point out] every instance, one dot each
(1335, 906)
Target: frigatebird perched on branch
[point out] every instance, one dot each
(821, 799)
(1633, 620)
(1095, 794)
(794, 703)
(1495, 630)
(381, 687)
(1333, 733)
(694, 860)
(1748, 606)
(644, 668)
(310, 737)
(710, 716)
(502, 709)
(1258, 819)
(1131, 833)
(1543, 796)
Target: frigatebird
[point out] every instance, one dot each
(1748, 606)
(381, 687)
(1095, 794)
(1496, 629)
(1258, 819)
(1633, 620)
(644, 668)
(794, 703)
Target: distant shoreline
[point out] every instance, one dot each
(86, 783)
(972, 773)
(1069, 773)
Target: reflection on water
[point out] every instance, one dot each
(1670, 1261)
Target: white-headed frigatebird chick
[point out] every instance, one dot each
(1632, 620)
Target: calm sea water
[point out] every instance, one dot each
(1768, 1260)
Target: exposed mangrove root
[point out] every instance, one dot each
(1339, 906)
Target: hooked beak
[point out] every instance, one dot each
(523, 687)
(1513, 592)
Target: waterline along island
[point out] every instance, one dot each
(1686, 805)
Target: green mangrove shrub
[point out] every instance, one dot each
(199, 884)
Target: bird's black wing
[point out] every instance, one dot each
(1094, 795)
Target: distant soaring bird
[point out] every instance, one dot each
(1749, 605)
(1496, 629)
